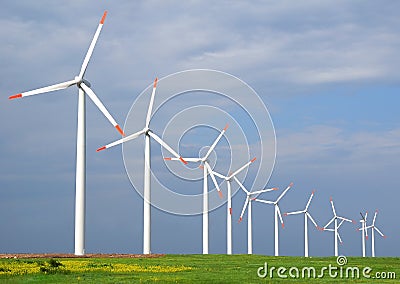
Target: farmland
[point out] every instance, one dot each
(197, 268)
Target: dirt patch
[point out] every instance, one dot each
(69, 255)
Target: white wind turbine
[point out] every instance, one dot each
(250, 196)
(307, 216)
(147, 132)
(83, 87)
(373, 229)
(336, 226)
(364, 232)
(277, 213)
(229, 203)
(206, 170)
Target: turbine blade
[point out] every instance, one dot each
(279, 214)
(333, 206)
(218, 174)
(244, 208)
(329, 222)
(309, 200)
(380, 233)
(179, 159)
(55, 87)
(215, 142)
(312, 219)
(373, 221)
(101, 107)
(340, 239)
(166, 146)
(264, 201)
(344, 219)
(241, 186)
(125, 139)
(150, 109)
(264, 190)
(293, 213)
(242, 168)
(213, 178)
(91, 47)
(284, 192)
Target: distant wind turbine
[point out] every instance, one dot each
(336, 226)
(364, 232)
(147, 132)
(229, 203)
(206, 170)
(373, 229)
(250, 196)
(277, 214)
(307, 216)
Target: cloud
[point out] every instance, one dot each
(333, 147)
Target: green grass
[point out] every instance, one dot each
(186, 269)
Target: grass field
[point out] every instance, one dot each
(198, 269)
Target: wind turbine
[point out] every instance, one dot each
(277, 213)
(336, 226)
(206, 170)
(247, 205)
(147, 132)
(229, 203)
(373, 229)
(364, 232)
(83, 87)
(307, 216)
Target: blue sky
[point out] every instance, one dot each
(327, 72)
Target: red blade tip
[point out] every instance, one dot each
(291, 184)
(168, 159)
(275, 188)
(226, 127)
(252, 160)
(285, 214)
(330, 199)
(283, 225)
(240, 219)
(101, 149)
(230, 211)
(220, 194)
(155, 82)
(183, 161)
(103, 18)
(15, 97)
(120, 130)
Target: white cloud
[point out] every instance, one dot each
(327, 146)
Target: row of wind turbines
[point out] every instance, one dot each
(84, 87)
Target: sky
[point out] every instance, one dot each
(325, 71)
